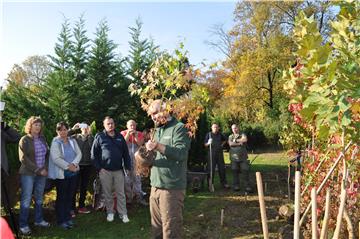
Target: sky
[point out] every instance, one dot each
(32, 27)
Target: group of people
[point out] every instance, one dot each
(69, 161)
(237, 141)
(72, 156)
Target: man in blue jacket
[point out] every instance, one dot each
(111, 159)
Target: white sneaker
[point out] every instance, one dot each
(110, 217)
(125, 219)
(43, 223)
(25, 230)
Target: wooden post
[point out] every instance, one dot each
(342, 154)
(324, 228)
(341, 210)
(313, 214)
(262, 205)
(288, 181)
(350, 227)
(297, 205)
(222, 217)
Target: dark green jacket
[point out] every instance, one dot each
(169, 169)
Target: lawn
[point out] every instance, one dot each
(201, 214)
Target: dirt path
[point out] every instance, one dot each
(242, 214)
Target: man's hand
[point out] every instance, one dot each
(43, 172)
(76, 126)
(209, 141)
(151, 145)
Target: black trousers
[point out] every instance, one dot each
(217, 159)
(65, 188)
(82, 185)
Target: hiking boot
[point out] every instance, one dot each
(83, 210)
(110, 217)
(124, 218)
(25, 230)
(43, 223)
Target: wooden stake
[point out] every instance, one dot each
(350, 227)
(324, 181)
(341, 210)
(324, 228)
(297, 205)
(222, 217)
(288, 181)
(262, 205)
(313, 214)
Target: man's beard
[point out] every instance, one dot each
(161, 121)
(159, 124)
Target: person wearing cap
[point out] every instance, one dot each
(84, 140)
(239, 158)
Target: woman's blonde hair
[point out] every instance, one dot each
(32, 120)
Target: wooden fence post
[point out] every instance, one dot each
(297, 205)
(262, 205)
(313, 214)
(324, 228)
(323, 183)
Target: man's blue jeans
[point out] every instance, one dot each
(30, 184)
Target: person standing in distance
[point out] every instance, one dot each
(168, 173)
(239, 158)
(84, 140)
(111, 159)
(216, 157)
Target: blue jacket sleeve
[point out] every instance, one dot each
(96, 153)
(126, 156)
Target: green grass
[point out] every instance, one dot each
(201, 212)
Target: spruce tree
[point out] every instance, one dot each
(58, 90)
(79, 60)
(106, 76)
(141, 55)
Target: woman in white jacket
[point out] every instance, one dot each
(64, 161)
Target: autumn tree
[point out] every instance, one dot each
(323, 86)
(32, 71)
(171, 79)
